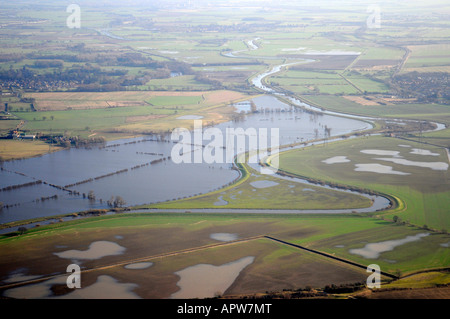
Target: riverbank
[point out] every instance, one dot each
(11, 150)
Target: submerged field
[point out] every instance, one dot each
(161, 246)
(257, 191)
(142, 70)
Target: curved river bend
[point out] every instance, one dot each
(140, 169)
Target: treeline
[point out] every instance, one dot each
(128, 59)
(97, 178)
(12, 187)
(75, 141)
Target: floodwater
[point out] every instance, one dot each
(205, 281)
(381, 152)
(378, 168)
(96, 250)
(106, 287)
(420, 151)
(190, 117)
(436, 166)
(373, 250)
(336, 159)
(263, 184)
(140, 169)
(141, 265)
(220, 202)
(224, 236)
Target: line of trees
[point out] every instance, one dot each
(116, 202)
(12, 187)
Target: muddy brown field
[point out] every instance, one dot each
(171, 249)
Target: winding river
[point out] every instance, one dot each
(141, 172)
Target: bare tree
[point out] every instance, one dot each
(91, 195)
(119, 202)
(21, 230)
(326, 133)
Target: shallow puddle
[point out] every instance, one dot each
(105, 287)
(437, 166)
(420, 151)
(190, 117)
(381, 152)
(142, 265)
(204, 280)
(224, 236)
(263, 184)
(336, 159)
(378, 168)
(19, 276)
(220, 202)
(373, 250)
(96, 250)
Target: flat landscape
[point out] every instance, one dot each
(90, 149)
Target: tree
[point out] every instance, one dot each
(21, 230)
(91, 195)
(110, 202)
(395, 219)
(119, 202)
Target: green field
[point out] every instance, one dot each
(132, 112)
(278, 195)
(133, 70)
(424, 192)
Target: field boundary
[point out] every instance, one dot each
(136, 260)
(190, 250)
(328, 256)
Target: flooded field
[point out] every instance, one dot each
(224, 236)
(373, 250)
(205, 281)
(378, 168)
(263, 184)
(96, 250)
(134, 168)
(336, 159)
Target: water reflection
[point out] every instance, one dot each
(140, 169)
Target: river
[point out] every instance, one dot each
(140, 169)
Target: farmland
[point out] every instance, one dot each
(130, 112)
(189, 239)
(148, 69)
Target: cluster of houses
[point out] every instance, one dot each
(22, 136)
